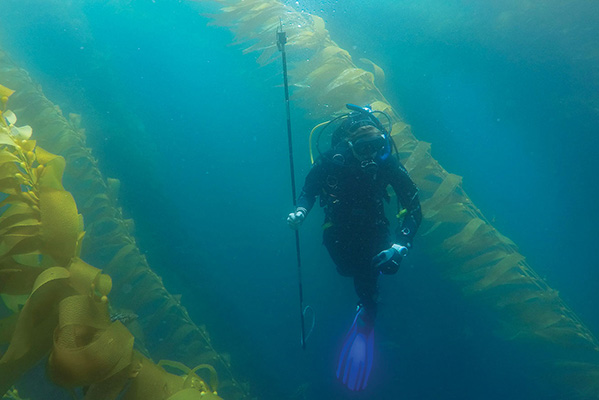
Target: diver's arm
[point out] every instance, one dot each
(407, 193)
(307, 197)
(312, 187)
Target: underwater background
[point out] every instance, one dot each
(506, 92)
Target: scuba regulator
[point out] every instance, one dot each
(368, 149)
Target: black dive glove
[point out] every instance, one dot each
(387, 261)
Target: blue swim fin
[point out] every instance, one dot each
(355, 360)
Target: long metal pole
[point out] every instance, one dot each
(281, 40)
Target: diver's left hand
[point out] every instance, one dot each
(387, 261)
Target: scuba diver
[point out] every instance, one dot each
(352, 179)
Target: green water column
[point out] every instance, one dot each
(486, 266)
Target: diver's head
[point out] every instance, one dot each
(350, 124)
(368, 144)
(359, 130)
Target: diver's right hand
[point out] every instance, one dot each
(295, 219)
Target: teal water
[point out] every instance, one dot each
(504, 91)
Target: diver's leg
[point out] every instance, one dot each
(366, 277)
(366, 287)
(357, 354)
(340, 247)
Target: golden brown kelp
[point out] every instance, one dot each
(467, 249)
(62, 304)
(324, 75)
(109, 241)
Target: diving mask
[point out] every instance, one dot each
(368, 147)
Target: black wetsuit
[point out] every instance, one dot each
(355, 227)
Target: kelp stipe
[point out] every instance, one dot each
(109, 242)
(66, 308)
(467, 249)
